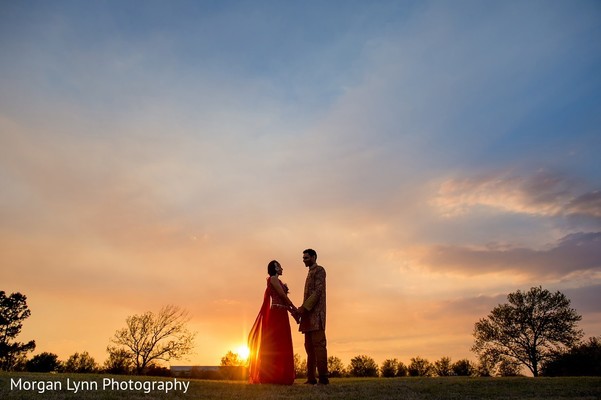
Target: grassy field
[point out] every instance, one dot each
(90, 386)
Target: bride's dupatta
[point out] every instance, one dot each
(254, 339)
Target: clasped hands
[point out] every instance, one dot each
(297, 313)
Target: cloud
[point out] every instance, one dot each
(577, 252)
(543, 193)
(588, 204)
(586, 299)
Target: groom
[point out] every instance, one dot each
(313, 319)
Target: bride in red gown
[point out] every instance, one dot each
(271, 357)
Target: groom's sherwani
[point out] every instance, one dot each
(314, 300)
(313, 324)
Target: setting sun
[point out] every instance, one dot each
(243, 352)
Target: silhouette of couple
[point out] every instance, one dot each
(270, 339)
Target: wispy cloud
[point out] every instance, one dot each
(577, 252)
(588, 204)
(544, 193)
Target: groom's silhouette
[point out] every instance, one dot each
(313, 319)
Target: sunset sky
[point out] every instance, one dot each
(437, 155)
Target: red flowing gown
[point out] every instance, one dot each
(270, 342)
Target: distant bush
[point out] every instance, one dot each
(363, 366)
(402, 370)
(580, 360)
(389, 368)
(463, 368)
(82, 363)
(157, 370)
(420, 367)
(393, 368)
(442, 367)
(44, 362)
(300, 366)
(119, 362)
(336, 367)
(508, 367)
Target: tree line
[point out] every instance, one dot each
(83, 363)
(582, 360)
(138, 348)
(535, 329)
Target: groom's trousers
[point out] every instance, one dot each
(317, 355)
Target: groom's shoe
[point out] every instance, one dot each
(323, 381)
(311, 382)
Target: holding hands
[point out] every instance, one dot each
(296, 313)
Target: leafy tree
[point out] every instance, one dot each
(528, 329)
(231, 359)
(81, 363)
(420, 367)
(389, 368)
(13, 310)
(151, 337)
(20, 364)
(442, 367)
(119, 362)
(463, 368)
(508, 367)
(486, 366)
(43, 362)
(402, 370)
(157, 370)
(232, 366)
(363, 366)
(336, 367)
(581, 360)
(300, 367)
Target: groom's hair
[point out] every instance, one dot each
(271, 268)
(311, 253)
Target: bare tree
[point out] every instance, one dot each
(151, 337)
(529, 329)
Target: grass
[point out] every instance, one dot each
(577, 388)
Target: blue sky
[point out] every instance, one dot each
(438, 155)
